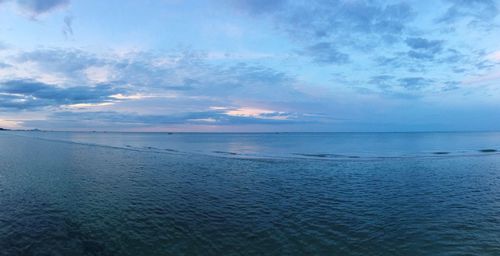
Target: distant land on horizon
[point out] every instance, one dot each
(236, 132)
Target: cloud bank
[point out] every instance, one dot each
(294, 65)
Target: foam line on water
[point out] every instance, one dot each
(290, 156)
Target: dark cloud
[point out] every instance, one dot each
(381, 78)
(325, 53)
(422, 55)
(418, 43)
(259, 6)
(343, 18)
(425, 55)
(422, 48)
(404, 61)
(473, 10)
(37, 7)
(414, 83)
(327, 30)
(352, 24)
(390, 32)
(452, 56)
(28, 94)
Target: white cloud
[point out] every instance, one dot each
(102, 74)
(120, 96)
(9, 124)
(494, 56)
(205, 120)
(87, 105)
(258, 113)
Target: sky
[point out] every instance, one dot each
(250, 65)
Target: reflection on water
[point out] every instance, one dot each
(290, 145)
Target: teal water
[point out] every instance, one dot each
(188, 194)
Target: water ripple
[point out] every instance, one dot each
(71, 199)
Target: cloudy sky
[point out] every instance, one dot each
(250, 65)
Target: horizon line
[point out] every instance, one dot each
(251, 132)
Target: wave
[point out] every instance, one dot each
(271, 155)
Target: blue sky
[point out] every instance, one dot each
(250, 65)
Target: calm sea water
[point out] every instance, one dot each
(290, 145)
(249, 194)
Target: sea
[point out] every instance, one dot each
(112, 193)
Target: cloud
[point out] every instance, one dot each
(258, 113)
(338, 57)
(433, 59)
(66, 61)
(494, 56)
(325, 53)
(418, 43)
(473, 10)
(187, 72)
(414, 83)
(67, 29)
(116, 90)
(181, 85)
(382, 81)
(414, 87)
(37, 7)
(402, 37)
(320, 19)
(451, 85)
(422, 48)
(326, 30)
(9, 123)
(258, 6)
(78, 120)
(27, 94)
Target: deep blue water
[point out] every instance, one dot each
(249, 194)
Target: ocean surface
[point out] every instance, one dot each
(70, 193)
